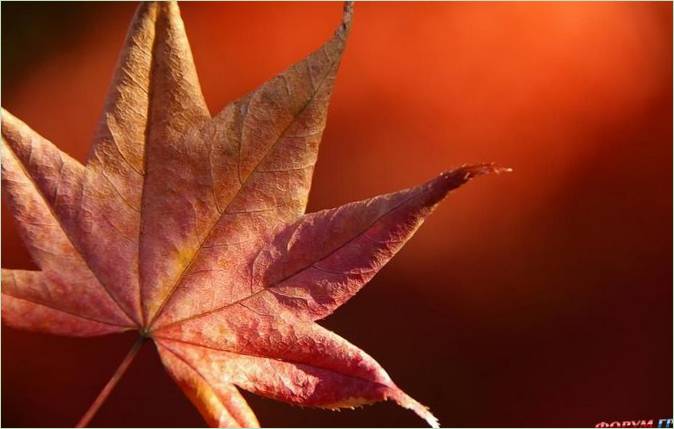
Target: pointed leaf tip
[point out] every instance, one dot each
(420, 410)
(463, 174)
(347, 17)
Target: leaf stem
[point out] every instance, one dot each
(121, 369)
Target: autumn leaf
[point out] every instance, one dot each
(191, 229)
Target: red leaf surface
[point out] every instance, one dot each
(191, 229)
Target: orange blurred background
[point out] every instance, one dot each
(540, 298)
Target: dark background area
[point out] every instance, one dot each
(541, 298)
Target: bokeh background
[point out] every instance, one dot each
(540, 298)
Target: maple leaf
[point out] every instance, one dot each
(191, 230)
